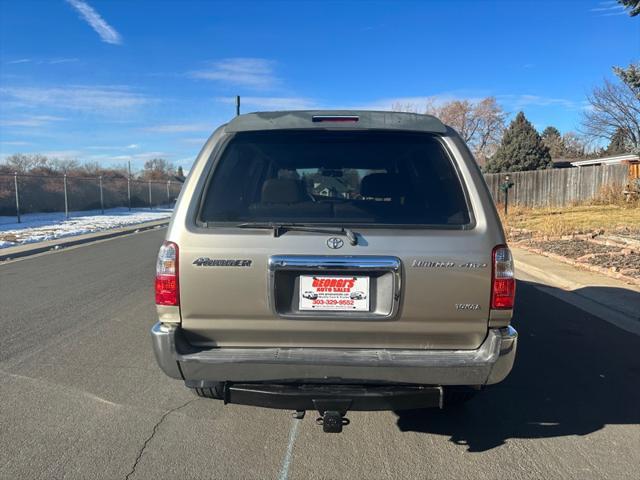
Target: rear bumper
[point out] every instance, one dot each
(334, 397)
(487, 365)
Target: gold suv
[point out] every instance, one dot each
(335, 261)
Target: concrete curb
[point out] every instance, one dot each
(26, 250)
(583, 265)
(544, 275)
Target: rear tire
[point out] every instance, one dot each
(215, 392)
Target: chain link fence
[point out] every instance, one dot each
(26, 193)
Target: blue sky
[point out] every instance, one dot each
(112, 81)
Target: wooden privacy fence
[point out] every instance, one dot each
(557, 186)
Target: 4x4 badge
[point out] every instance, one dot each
(335, 242)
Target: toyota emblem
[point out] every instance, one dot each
(335, 242)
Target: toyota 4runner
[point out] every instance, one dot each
(335, 261)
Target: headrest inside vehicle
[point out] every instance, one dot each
(380, 185)
(282, 190)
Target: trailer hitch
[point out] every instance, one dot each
(332, 413)
(333, 401)
(332, 421)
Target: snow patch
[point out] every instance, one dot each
(38, 227)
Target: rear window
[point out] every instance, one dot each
(335, 177)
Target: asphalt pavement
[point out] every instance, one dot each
(81, 395)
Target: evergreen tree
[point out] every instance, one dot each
(551, 132)
(521, 149)
(553, 140)
(630, 76)
(180, 173)
(632, 6)
(619, 143)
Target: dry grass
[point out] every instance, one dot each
(573, 219)
(614, 195)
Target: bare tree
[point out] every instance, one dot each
(573, 145)
(38, 164)
(614, 107)
(480, 124)
(91, 169)
(158, 169)
(64, 166)
(23, 163)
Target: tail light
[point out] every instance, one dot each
(503, 282)
(167, 290)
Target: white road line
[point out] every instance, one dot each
(286, 461)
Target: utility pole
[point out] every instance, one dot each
(129, 184)
(237, 105)
(66, 201)
(101, 196)
(15, 183)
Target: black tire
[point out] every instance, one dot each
(216, 392)
(456, 397)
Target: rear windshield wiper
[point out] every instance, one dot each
(280, 228)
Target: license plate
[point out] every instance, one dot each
(334, 293)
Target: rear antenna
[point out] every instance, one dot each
(237, 105)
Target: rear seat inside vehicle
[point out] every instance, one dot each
(287, 198)
(381, 200)
(385, 197)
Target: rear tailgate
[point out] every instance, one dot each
(421, 269)
(244, 289)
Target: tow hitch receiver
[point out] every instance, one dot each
(333, 413)
(332, 421)
(333, 402)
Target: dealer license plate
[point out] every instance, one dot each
(334, 293)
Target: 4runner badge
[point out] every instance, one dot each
(209, 262)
